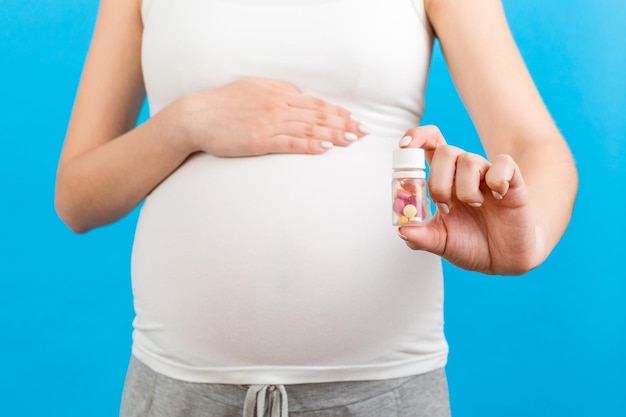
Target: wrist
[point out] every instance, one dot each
(179, 116)
(191, 123)
(166, 131)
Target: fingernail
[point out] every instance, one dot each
(350, 136)
(476, 205)
(496, 195)
(405, 141)
(326, 145)
(443, 208)
(362, 128)
(401, 235)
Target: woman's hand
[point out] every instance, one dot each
(257, 116)
(484, 221)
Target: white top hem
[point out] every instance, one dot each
(285, 375)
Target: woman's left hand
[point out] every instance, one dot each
(484, 221)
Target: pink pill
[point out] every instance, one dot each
(405, 195)
(398, 205)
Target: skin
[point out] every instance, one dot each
(503, 215)
(108, 166)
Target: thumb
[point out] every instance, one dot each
(430, 238)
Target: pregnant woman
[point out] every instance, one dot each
(267, 278)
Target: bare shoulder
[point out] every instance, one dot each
(439, 11)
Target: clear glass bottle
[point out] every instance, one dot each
(408, 188)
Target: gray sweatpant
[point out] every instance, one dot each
(149, 394)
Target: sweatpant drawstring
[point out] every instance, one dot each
(268, 400)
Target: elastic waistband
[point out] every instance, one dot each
(301, 397)
(310, 397)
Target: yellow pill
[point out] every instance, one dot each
(403, 220)
(409, 210)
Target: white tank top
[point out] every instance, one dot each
(285, 269)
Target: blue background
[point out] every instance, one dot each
(550, 343)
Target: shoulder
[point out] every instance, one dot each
(123, 7)
(444, 12)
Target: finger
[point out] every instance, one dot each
(442, 176)
(322, 119)
(502, 174)
(326, 114)
(313, 103)
(288, 144)
(428, 238)
(470, 171)
(427, 137)
(320, 133)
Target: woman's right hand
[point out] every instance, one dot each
(108, 164)
(256, 116)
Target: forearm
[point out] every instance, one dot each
(506, 107)
(106, 183)
(550, 174)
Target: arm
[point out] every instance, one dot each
(107, 166)
(529, 162)
(504, 104)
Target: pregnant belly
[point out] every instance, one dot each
(264, 260)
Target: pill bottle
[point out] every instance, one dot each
(408, 187)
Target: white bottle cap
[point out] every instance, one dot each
(408, 158)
